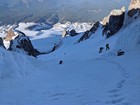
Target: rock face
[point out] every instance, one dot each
(134, 4)
(53, 19)
(21, 43)
(10, 35)
(113, 22)
(1, 43)
(85, 36)
(95, 27)
(44, 23)
(88, 33)
(64, 33)
(73, 33)
(115, 12)
(40, 26)
(134, 8)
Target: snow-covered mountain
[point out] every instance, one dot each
(85, 76)
(31, 10)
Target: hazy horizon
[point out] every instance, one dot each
(80, 10)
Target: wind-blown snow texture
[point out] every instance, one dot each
(85, 77)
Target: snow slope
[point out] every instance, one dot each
(85, 77)
(130, 35)
(13, 65)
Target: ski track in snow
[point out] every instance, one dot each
(116, 97)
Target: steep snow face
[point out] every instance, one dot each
(129, 36)
(14, 65)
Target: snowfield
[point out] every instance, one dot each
(85, 77)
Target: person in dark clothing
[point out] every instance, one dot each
(107, 47)
(61, 62)
(101, 50)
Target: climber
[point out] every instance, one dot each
(101, 49)
(60, 62)
(107, 47)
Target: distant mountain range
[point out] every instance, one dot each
(14, 11)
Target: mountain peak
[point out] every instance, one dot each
(134, 8)
(135, 4)
(114, 12)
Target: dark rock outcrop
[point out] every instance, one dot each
(1, 43)
(72, 33)
(95, 27)
(120, 53)
(88, 33)
(10, 35)
(114, 23)
(21, 43)
(134, 8)
(53, 19)
(85, 36)
(50, 19)
(56, 46)
(40, 26)
(44, 23)
(64, 33)
(134, 12)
